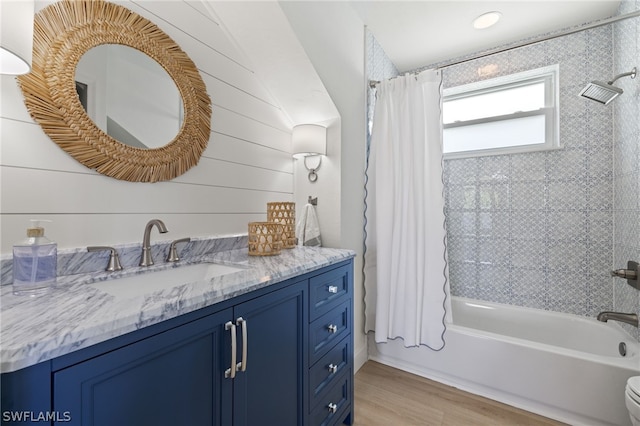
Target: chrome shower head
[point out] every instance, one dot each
(602, 92)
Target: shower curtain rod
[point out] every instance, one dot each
(374, 83)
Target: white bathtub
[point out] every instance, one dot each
(561, 366)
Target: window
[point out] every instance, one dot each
(514, 113)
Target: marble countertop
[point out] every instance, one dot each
(75, 314)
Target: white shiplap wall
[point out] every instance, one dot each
(247, 163)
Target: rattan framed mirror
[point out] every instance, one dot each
(63, 32)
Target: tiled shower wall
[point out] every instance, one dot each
(537, 229)
(379, 68)
(626, 149)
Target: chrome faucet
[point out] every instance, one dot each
(146, 259)
(619, 316)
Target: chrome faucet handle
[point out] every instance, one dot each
(173, 251)
(114, 259)
(629, 274)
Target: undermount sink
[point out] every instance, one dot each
(148, 282)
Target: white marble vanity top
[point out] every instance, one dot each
(76, 314)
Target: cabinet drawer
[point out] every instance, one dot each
(327, 330)
(328, 290)
(330, 366)
(332, 403)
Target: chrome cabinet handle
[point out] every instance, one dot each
(332, 328)
(242, 365)
(230, 373)
(333, 289)
(333, 368)
(332, 407)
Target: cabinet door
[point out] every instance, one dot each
(173, 378)
(270, 391)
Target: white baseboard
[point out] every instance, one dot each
(359, 358)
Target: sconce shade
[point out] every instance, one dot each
(309, 139)
(16, 36)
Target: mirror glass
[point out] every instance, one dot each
(129, 96)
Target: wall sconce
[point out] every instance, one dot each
(16, 36)
(310, 141)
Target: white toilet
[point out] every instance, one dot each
(632, 399)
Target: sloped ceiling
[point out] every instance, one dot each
(262, 32)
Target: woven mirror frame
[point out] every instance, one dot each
(63, 32)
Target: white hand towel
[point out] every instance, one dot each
(308, 228)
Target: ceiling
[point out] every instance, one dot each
(416, 34)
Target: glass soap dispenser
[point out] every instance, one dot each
(35, 262)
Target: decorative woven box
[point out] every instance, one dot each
(284, 213)
(265, 238)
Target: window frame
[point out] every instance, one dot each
(548, 75)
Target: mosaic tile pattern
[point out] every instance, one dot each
(536, 229)
(379, 68)
(627, 6)
(626, 168)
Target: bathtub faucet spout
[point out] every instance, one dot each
(619, 316)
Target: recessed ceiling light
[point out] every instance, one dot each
(486, 20)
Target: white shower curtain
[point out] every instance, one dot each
(406, 275)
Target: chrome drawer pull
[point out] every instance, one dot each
(333, 289)
(332, 407)
(333, 368)
(230, 373)
(332, 328)
(242, 365)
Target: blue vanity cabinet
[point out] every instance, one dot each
(184, 376)
(293, 364)
(171, 378)
(270, 391)
(330, 385)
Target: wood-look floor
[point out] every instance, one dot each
(385, 396)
